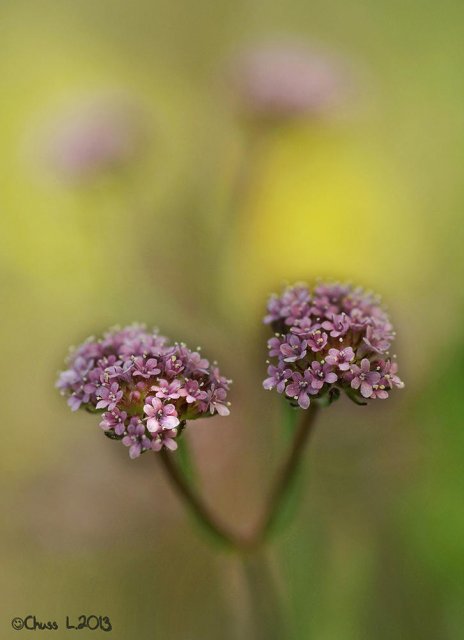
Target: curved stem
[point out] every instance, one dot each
(199, 509)
(286, 475)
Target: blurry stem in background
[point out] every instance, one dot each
(254, 140)
(266, 615)
(276, 500)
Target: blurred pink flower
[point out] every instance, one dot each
(97, 135)
(287, 79)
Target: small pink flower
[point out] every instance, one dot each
(389, 375)
(340, 358)
(293, 348)
(379, 391)
(300, 388)
(317, 340)
(165, 439)
(145, 368)
(338, 325)
(319, 374)
(217, 402)
(160, 416)
(167, 390)
(364, 379)
(192, 392)
(109, 396)
(278, 377)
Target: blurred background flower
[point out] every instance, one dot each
(206, 214)
(98, 135)
(286, 79)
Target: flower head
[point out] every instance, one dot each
(145, 388)
(334, 338)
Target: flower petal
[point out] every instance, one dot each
(222, 409)
(169, 422)
(153, 425)
(366, 389)
(170, 444)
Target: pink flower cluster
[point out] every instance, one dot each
(335, 338)
(145, 388)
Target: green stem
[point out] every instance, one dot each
(286, 475)
(198, 507)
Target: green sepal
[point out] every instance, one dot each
(91, 409)
(354, 397)
(328, 398)
(112, 435)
